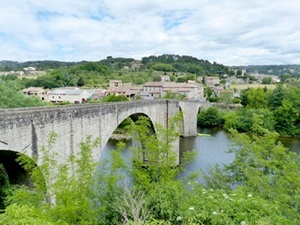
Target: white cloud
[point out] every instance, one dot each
(229, 32)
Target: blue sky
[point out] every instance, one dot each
(231, 32)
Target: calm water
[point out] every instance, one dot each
(293, 143)
(210, 150)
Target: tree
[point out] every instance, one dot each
(181, 79)
(239, 72)
(4, 186)
(174, 95)
(157, 78)
(284, 77)
(285, 118)
(12, 97)
(256, 98)
(226, 97)
(163, 67)
(114, 98)
(266, 172)
(63, 192)
(231, 72)
(266, 80)
(210, 118)
(276, 97)
(80, 82)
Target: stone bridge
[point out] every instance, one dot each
(26, 129)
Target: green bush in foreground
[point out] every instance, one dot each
(261, 186)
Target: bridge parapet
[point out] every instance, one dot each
(26, 129)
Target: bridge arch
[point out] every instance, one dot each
(26, 129)
(118, 118)
(16, 173)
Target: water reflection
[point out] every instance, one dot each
(293, 143)
(211, 150)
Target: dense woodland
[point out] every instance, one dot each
(98, 74)
(275, 110)
(261, 186)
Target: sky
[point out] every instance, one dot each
(230, 32)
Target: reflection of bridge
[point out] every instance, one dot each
(26, 129)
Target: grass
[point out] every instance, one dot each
(245, 86)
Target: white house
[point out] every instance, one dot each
(72, 95)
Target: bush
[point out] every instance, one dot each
(210, 118)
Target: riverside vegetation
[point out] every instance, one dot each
(261, 186)
(276, 110)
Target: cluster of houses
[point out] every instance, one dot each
(150, 90)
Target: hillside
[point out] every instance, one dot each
(293, 70)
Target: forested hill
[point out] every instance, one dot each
(166, 62)
(294, 70)
(6, 65)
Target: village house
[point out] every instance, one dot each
(152, 90)
(129, 92)
(155, 90)
(212, 81)
(115, 83)
(191, 90)
(98, 94)
(39, 92)
(70, 94)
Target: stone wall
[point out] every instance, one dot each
(26, 129)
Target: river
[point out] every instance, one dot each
(210, 150)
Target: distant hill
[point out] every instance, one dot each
(294, 70)
(39, 65)
(188, 64)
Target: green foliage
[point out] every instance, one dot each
(268, 104)
(267, 185)
(276, 97)
(4, 186)
(210, 118)
(243, 119)
(256, 98)
(266, 80)
(114, 98)
(157, 78)
(261, 186)
(239, 72)
(63, 192)
(80, 82)
(155, 150)
(187, 64)
(285, 118)
(284, 77)
(163, 67)
(280, 70)
(12, 97)
(208, 92)
(174, 95)
(181, 79)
